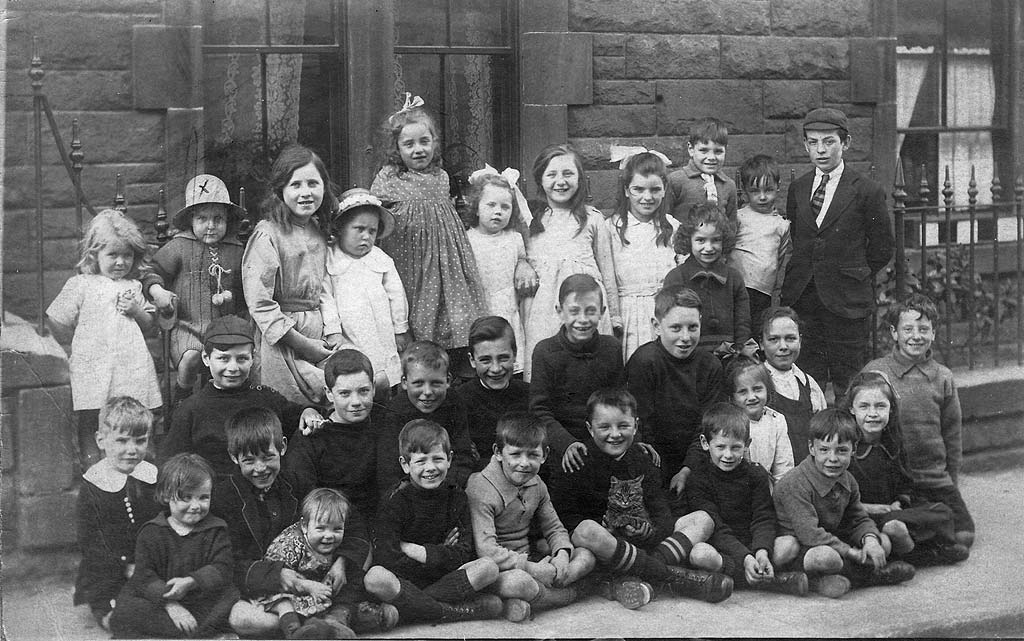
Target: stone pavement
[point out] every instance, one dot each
(982, 597)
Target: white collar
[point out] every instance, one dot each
(106, 478)
(833, 175)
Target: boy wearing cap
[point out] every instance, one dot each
(363, 301)
(198, 423)
(194, 278)
(842, 237)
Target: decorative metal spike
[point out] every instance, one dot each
(244, 225)
(36, 71)
(997, 187)
(923, 189)
(1018, 188)
(119, 201)
(972, 189)
(161, 225)
(947, 190)
(899, 192)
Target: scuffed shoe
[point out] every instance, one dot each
(832, 586)
(794, 583)
(712, 587)
(373, 617)
(515, 610)
(482, 606)
(890, 574)
(630, 592)
(938, 554)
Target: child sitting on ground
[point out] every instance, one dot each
(930, 413)
(570, 365)
(921, 531)
(763, 246)
(737, 495)
(506, 500)
(423, 540)
(492, 353)
(198, 423)
(795, 394)
(342, 453)
(197, 276)
(673, 383)
(617, 509)
(363, 300)
(822, 523)
(707, 235)
(425, 383)
(114, 501)
(182, 581)
(311, 547)
(703, 180)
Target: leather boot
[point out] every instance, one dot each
(794, 583)
(372, 617)
(482, 606)
(699, 584)
(889, 574)
(630, 591)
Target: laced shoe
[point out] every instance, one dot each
(630, 592)
(794, 583)
(938, 554)
(481, 606)
(890, 574)
(712, 587)
(373, 617)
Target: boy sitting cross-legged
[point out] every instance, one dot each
(492, 353)
(737, 495)
(423, 540)
(822, 523)
(505, 500)
(198, 422)
(342, 453)
(618, 510)
(258, 504)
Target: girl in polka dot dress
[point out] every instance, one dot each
(429, 244)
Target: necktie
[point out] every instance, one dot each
(818, 198)
(709, 187)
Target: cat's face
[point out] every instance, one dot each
(612, 429)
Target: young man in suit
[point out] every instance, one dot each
(842, 236)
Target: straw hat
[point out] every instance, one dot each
(359, 197)
(205, 188)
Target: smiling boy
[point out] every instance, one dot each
(702, 179)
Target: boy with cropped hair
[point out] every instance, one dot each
(929, 407)
(703, 179)
(507, 501)
(423, 539)
(617, 509)
(570, 365)
(426, 395)
(492, 353)
(737, 495)
(823, 525)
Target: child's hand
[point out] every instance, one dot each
(334, 341)
(652, 453)
(181, 618)
(402, 341)
(336, 577)
(757, 567)
(317, 590)
(750, 348)
(310, 421)
(452, 538)
(560, 562)
(526, 279)
(312, 351)
(572, 460)
(874, 553)
(164, 300)
(178, 587)
(414, 551)
(678, 482)
(856, 555)
(643, 532)
(128, 304)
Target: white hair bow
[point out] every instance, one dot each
(624, 153)
(411, 102)
(512, 177)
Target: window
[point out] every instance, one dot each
(459, 56)
(952, 103)
(272, 75)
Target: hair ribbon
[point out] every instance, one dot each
(512, 177)
(411, 102)
(625, 152)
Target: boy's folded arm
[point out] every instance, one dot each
(485, 537)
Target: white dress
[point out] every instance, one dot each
(558, 252)
(109, 356)
(364, 299)
(769, 444)
(640, 268)
(496, 258)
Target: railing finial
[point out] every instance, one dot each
(160, 224)
(244, 225)
(119, 200)
(924, 190)
(947, 190)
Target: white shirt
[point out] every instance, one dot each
(787, 383)
(830, 188)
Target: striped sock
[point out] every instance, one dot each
(674, 550)
(628, 559)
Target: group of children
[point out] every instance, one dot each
(601, 446)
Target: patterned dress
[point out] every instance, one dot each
(557, 253)
(432, 254)
(109, 356)
(290, 547)
(497, 256)
(640, 268)
(282, 274)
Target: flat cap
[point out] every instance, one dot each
(825, 118)
(228, 330)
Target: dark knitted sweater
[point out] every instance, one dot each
(565, 374)
(672, 395)
(198, 424)
(739, 501)
(485, 406)
(424, 517)
(725, 304)
(584, 494)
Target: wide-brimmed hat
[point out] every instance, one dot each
(359, 197)
(205, 188)
(825, 119)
